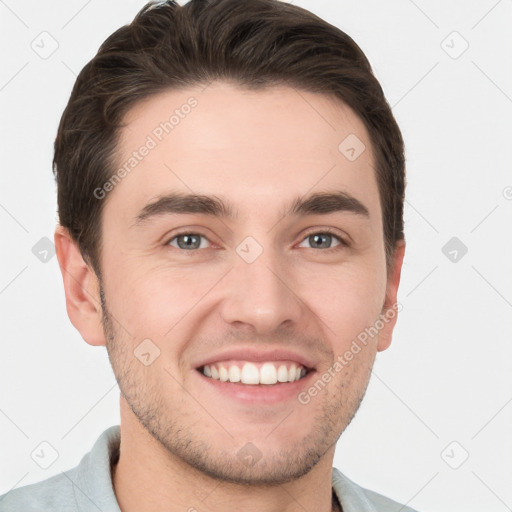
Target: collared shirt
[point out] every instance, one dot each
(88, 487)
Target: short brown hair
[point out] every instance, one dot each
(253, 43)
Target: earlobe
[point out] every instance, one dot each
(81, 287)
(389, 311)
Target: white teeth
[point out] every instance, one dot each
(234, 374)
(268, 373)
(223, 374)
(282, 374)
(250, 374)
(291, 373)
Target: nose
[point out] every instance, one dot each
(261, 296)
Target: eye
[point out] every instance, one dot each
(187, 241)
(324, 240)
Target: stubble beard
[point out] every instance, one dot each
(195, 450)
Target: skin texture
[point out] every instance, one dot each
(259, 150)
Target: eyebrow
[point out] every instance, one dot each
(322, 203)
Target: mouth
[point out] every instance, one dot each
(250, 376)
(251, 373)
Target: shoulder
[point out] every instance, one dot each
(55, 493)
(85, 488)
(355, 498)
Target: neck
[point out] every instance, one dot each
(148, 477)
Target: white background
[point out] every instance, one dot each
(447, 375)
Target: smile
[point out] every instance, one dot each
(251, 373)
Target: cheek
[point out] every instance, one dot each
(154, 302)
(348, 301)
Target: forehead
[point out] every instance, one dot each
(247, 145)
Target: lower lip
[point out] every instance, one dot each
(259, 393)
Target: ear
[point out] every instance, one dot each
(81, 287)
(389, 311)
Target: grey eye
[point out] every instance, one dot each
(321, 240)
(187, 241)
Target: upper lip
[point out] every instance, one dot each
(257, 355)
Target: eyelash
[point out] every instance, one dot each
(343, 244)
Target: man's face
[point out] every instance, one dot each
(262, 288)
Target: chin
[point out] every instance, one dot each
(253, 468)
